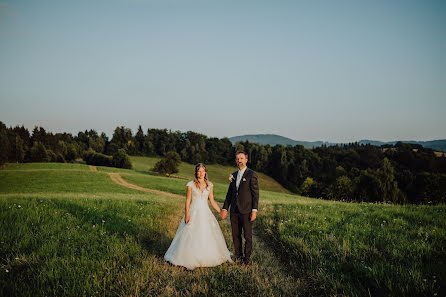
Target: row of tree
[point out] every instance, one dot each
(403, 173)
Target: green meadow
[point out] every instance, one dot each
(69, 231)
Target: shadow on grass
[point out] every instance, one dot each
(299, 261)
(150, 239)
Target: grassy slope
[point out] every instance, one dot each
(217, 173)
(68, 231)
(90, 238)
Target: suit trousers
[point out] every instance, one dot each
(241, 222)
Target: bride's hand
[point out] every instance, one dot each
(186, 220)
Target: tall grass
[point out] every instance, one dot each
(360, 249)
(68, 231)
(75, 242)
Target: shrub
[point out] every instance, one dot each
(121, 159)
(169, 164)
(98, 159)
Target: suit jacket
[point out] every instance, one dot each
(246, 197)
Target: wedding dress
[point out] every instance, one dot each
(199, 243)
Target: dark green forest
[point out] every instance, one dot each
(401, 173)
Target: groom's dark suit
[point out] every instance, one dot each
(242, 201)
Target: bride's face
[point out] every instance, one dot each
(201, 173)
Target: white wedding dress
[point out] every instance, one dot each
(199, 243)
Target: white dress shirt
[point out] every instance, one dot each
(239, 178)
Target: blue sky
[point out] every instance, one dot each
(335, 71)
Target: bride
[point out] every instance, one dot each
(198, 241)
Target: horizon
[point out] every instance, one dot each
(338, 71)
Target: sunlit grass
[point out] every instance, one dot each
(217, 173)
(69, 231)
(358, 249)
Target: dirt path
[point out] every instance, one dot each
(116, 178)
(93, 168)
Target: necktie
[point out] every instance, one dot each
(239, 177)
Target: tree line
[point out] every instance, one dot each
(402, 173)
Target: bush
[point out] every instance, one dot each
(121, 159)
(169, 164)
(98, 159)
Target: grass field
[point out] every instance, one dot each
(69, 231)
(217, 173)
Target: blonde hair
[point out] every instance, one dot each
(197, 167)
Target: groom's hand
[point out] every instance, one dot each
(223, 213)
(253, 215)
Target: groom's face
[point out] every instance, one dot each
(241, 160)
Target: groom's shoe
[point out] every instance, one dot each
(239, 260)
(246, 262)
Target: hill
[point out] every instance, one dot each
(69, 231)
(217, 173)
(272, 139)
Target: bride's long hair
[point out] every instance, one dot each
(197, 167)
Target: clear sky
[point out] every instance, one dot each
(335, 71)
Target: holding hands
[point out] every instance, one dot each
(223, 213)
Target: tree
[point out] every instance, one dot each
(342, 189)
(5, 146)
(122, 138)
(169, 164)
(139, 141)
(387, 183)
(367, 186)
(39, 153)
(19, 149)
(305, 187)
(72, 152)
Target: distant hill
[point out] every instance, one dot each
(273, 139)
(436, 145)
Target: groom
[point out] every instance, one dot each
(243, 197)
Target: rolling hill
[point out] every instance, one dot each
(273, 139)
(70, 230)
